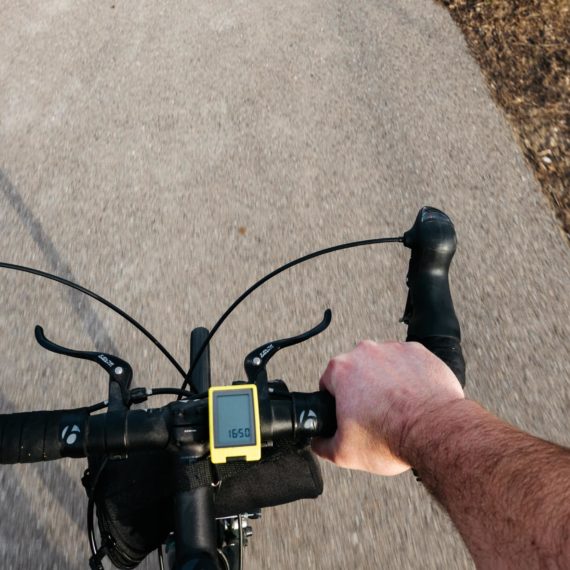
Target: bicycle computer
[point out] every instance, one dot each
(234, 423)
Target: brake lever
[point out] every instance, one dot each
(255, 369)
(120, 371)
(256, 361)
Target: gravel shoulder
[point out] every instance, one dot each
(524, 52)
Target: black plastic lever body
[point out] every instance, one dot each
(430, 314)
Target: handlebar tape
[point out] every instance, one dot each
(429, 312)
(30, 437)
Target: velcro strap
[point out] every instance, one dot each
(188, 477)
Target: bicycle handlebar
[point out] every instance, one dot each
(44, 436)
(29, 437)
(430, 316)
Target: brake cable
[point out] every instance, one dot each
(102, 300)
(90, 509)
(269, 276)
(187, 375)
(181, 393)
(151, 392)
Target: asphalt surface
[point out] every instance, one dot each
(169, 154)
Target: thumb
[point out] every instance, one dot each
(324, 447)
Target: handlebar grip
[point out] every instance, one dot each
(429, 312)
(30, 437)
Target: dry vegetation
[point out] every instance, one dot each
(523, 47)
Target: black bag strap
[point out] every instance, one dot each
(189, 477)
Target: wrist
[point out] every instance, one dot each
(437, 425)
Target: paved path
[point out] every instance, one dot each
(137, 138)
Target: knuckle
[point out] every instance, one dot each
(417, 346)
(341, 362)
(335, 372)
(366, 343)
(334, 364)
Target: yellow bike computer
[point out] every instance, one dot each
(234, 423)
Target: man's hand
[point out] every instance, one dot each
(507, 492)
(381, 391)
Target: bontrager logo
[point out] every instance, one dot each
(70, 434)
(308, 422)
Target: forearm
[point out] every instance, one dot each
(507, 492)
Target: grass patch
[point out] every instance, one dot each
(523, 48)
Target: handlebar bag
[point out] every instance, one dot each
(134, 497)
